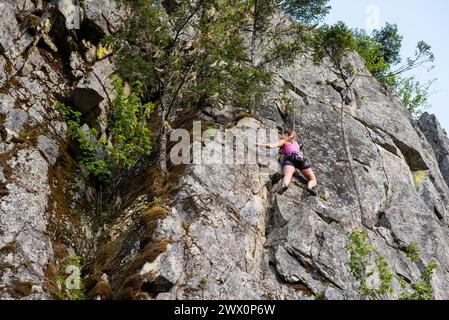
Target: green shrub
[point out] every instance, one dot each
(66, 293)
(363, 269)
(371, 51)
(412, 251)
(420, 289)
(358, 254)
(86, 140)
(364, 266)
(129, 136)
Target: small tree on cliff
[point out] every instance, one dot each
(334, 42)
(381, 52)
(191, 56)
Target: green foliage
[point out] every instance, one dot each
(385, 275)
(305, 11)
(87, 142)
(156, 201)
(349, 70)
(381, 52)
(261, 13)
(320, 296)
(203, 281)
(361, 267)
(70, 116)
(358, 255)
(128, 139)
(129, 133)
(420, 289)
(333, 42)
(390, 42)
(286, 49)
(283, 45)
(211, 64)
(414, 95)
(365, 271)
(67, 293)
(91, 152)
(412, 251)
(141, 43)
(185, 225)
(372, 52)
(423, 56)
(225, 76)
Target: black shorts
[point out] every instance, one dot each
(298, 164)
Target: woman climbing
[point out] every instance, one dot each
(293, 159)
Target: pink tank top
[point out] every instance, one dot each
(291, 148)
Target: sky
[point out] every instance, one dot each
(417, 20)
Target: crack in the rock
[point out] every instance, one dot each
(349, 157)
(103, 87)
(107, 23)
(364, 164)
(439, 190)
(326, 218)
(302, 258)
(386, 188)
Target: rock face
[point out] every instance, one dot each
(437, 138)
(219, 230)
(28, 151)
(44, 217)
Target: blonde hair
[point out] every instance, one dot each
(292, 135)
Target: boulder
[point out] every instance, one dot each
(71, 12)
(104, 14)
(94, 88)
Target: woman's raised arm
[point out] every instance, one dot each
(279, 144)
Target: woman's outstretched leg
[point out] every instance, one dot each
(288, 174)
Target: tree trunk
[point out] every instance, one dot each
(254, 31)
(163, 152)
(163, 137)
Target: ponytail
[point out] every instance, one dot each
(292, 135)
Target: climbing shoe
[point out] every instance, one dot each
(311, 191)
(282, 190)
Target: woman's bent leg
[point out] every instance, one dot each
(310, 176)
(288, 174)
